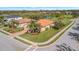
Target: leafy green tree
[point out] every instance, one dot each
(36, 16)
(58, 24)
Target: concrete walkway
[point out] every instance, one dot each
(31, 48)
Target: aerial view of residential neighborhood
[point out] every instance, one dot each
(39, 29)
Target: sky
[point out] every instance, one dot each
(39, 8)
(39, 4)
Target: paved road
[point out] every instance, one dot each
(9, 44)
(65, 38)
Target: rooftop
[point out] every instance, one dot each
(12, 16)
(45, 22)
(25, 20)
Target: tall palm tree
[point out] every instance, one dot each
(34, 27)
(13, 24)
(1, 19)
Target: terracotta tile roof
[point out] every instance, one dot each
(45, 22)
(21, 21)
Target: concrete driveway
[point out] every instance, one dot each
(10, 44)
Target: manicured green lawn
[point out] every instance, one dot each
(41, 37)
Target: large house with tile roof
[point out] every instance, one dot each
(45, 23)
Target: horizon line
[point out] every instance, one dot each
(39, 8)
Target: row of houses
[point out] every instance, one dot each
(44, 23)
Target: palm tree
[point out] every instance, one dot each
(34, 27)
(1, 19)
(13, 24)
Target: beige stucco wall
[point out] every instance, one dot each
(52, 24)
(42, 29)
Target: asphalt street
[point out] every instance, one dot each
(10, 44)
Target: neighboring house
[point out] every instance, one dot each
(24, 22)
(11, 17)
(45, 23)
